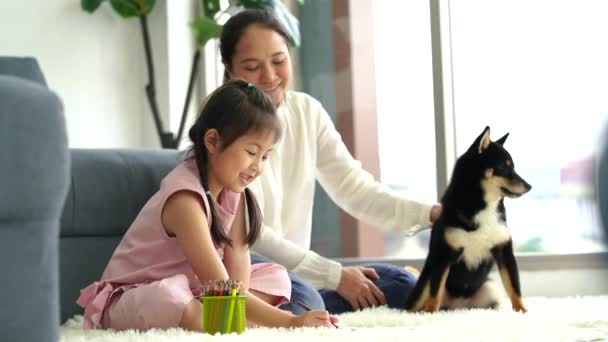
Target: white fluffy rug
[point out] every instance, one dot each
(548, 319)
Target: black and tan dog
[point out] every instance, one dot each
(471, 234)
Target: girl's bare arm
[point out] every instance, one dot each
(236, 257)
(238, 264)
(184, 216)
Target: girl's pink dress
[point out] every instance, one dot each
(148, 280)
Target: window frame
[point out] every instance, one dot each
(525, 261)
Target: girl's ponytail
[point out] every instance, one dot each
(255, 217)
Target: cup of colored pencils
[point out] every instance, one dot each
(223, 304)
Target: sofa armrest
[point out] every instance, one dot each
(33, 182)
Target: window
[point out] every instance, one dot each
(406, 120)
(536, 69)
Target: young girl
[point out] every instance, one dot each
(198, 227)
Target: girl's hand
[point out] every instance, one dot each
(314, 318)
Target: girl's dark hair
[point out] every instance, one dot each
(234, 109)
(235, 27)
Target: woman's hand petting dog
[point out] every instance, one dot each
(435, 213)
(357, 288)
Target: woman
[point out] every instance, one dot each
(254, 47)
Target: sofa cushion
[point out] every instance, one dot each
(108, 188)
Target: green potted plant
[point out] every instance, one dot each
(204, 29)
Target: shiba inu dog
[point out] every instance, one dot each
(471, 234)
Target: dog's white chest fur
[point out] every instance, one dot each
(478, 243)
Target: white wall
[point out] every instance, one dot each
(181, 47)
(96, 64)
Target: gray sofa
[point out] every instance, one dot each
(34, 167)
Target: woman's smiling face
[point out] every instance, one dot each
(262, 58)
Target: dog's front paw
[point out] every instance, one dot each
(518, 305)
(521, 309)
(431, 305)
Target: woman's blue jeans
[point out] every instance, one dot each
(395, 282)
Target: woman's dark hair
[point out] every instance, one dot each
(234, 109)
(235, 27)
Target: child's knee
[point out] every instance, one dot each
(192, 316)
(156, 305)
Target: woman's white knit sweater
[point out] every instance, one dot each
(312, 150)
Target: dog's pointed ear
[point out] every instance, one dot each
(502, 140)
(482, 142)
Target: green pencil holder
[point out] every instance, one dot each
(224, 314)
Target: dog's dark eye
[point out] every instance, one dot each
(504, 168)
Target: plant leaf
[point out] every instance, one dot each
(125, 8)
(211, 7)
(205, 29)
(90, 5)
(132, 8)
(145, 6)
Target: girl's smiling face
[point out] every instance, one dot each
(239, 164)
(262, 58)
